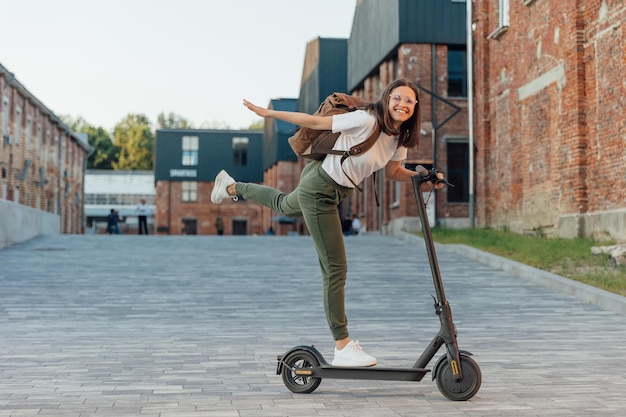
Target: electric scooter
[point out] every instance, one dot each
(457, 374)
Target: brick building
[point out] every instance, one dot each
(549, 116)
(42, 161)
(186, 163)
(424, 41)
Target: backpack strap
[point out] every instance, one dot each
(357, 149)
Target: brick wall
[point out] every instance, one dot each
(171, 211)
(549, 125)
(413, 61)
(42, 166)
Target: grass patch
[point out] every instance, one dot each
(570, 258)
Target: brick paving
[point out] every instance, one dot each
(190, 326)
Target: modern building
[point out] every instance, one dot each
(42, 164)
(122, 191)
(549, 116)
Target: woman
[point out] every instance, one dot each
(324, 184)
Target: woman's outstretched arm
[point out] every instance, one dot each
(301, 119)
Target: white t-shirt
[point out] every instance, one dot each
(355, 127)
(142, 209)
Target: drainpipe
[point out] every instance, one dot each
(59, 180)
(470, 107)
(85, 162)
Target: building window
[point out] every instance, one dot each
(17, 126)
(503, 18)
(190, 150)
(189, 191)
(29, 133)
(123, 199)
(240, 151)
(5, 115)
(458, 172)
(39, 139)
(457, 71)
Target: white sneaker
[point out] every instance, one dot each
(222, 181)
(353, 355)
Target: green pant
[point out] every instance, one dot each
(316, 199)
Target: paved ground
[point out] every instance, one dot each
(190, 326)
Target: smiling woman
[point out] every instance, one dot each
(325, 183)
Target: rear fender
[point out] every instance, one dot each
(311, 349)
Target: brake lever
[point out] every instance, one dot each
(431, 176)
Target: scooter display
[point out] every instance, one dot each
(457, 375)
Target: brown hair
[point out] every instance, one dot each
(409, 132)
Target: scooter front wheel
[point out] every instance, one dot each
(459, 390)
(294, 371)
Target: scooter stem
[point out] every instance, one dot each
(418, 180)
(447, 332)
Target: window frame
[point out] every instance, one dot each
(240, 146)
(187, 194)
(503, 19)
(463, 172)
(5, 115)
(189, 150)
(461, 49)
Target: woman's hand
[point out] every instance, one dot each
(439, 185)
(259, 111)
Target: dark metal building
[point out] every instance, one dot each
(325, 71)
(379, 27)
(198, 155)
(275, 135)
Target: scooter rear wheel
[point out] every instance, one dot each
(459, 390)
(300, 384)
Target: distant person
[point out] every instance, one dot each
(356, 225)
(112, 222)
(270, 231)
(219, 226)
(346, 226)
(143, 210)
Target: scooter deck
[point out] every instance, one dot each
(375, 373)
(322, 369)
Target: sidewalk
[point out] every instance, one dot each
(191, 325)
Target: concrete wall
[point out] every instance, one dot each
(19, 223)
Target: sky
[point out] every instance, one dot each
(102, 60)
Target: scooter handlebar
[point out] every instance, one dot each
(425, 175)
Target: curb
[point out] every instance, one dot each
(587, 293)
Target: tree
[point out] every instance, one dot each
(136, 141)
(172, 121)
(105, 152)
(258, 125)
(216, 125)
